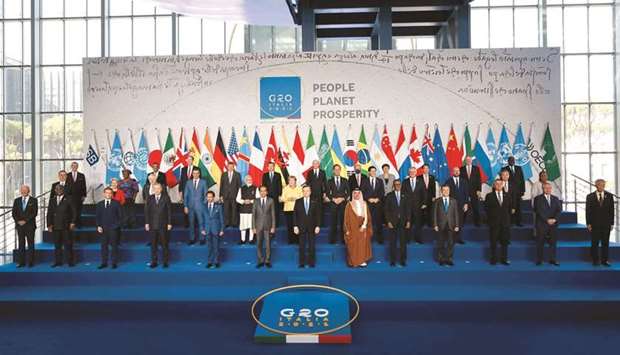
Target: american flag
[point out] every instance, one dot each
(232, 154)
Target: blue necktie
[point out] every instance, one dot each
(445, 206)
(306, 205)
(397, 199)
(24, 203)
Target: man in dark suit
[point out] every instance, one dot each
(62, 181)
(412, 190)
(213, 229)
(429, 190)
(518, 183)
(25, 209)
(512, 190)
(600, 219)
(338, 194)
(316, 179)
(230, 183)
(374, 195)
(459, 190)
(60, 222)
(357, 180)
(77, 186)
(547, 208)
(273, 181)
(446, 219)
(159, 176)
(186, 174)
(263, 226)
(471, 173)
(158, 222)
(398, 218)
(108, 219)
(193, 205)
(498, 205)
(306, 225)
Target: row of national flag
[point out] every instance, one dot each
(252, 156)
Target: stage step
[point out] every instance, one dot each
(477, 281)
(567, 232)
(178, 219)
(326, 254)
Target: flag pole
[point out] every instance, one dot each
(158, 138)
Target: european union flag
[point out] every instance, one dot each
(442, 172)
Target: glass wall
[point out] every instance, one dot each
(584, 30)
(15, 97)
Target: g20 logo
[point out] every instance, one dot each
(280, 97)
(304, 312)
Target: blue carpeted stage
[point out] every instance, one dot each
(521, 308)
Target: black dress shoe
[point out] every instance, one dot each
(102, 266)
(191, 242)
(596, 263)
(460, 241)
(606, 263)
(20, 265)
(381, 242)
(56, 264)
(71, 264)
(449, 263)
(419, 242)
(209, 266)
(253, 242)
(441, 263)
(217, 265)
(259, 265)
(312, 266)
(165, 265)
(506, 262)
(268, 265)
(114, 266)
(301, 266)
(392, 264)
(31, 265)
(152, 265)
(554, 263)
(538, 263)
(403, 264)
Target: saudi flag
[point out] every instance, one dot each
(311, 152)
(325, 155)
(466, 149)
(363, 154)
(552, 166)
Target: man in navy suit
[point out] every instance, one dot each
(61, 217)
(25, 209)
(213, 229)
(547, 208)
(193, 201)
(600, 219)
(158, 223)
(108, 218)
(459, 190)
(518, 184)
(498, 205)
(338, 194)
(306, 221)
(374, 194)
(412, 189)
